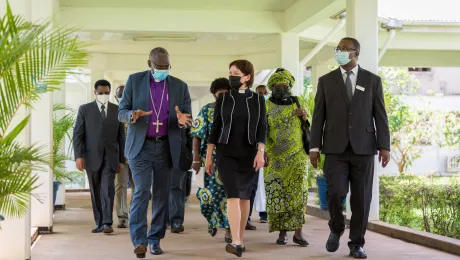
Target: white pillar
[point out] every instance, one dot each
(290, 59)
(362, 24)
(317, 71)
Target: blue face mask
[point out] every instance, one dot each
(266, 97)
(160, 74)
(342, 58)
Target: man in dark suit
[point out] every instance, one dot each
(349, 126)
(99, 141)
(155, 105)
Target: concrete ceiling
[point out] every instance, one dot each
(237, 5)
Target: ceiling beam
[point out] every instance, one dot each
(305, 13)
(170, 20)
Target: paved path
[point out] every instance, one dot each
(73, 240)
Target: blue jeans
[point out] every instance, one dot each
(151, 168)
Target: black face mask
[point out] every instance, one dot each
(281, 93)
(235, 82)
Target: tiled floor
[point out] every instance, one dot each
(74, 241)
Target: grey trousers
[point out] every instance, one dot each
(177, 197)
(121, 193)
(151, 169)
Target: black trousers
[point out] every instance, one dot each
(188, 183)
(177, 198)
(253, 196)
(102, 189)
(357, 171)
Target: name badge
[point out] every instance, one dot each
(360, 88)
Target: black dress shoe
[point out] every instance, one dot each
(97, 229)
(177, 228)
(108, 229)
(156, 249)
(140, 251)
(234, 249)
(250, 226)
(333, 243)
(358, 252)
(282, 239)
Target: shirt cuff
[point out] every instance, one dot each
(314, 150)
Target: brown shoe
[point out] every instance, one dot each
(250, 226)
(140, 251)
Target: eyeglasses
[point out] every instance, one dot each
(161, 67)
(343, 49)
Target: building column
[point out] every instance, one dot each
(15, 236)
(362, 24)
(289, 58)
(317, 71)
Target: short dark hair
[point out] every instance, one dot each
(219, 84)
(246, 67)
(158, 50)
(102, 83)
(356, 44)
(261, 86)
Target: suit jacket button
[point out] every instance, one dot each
(349, 126)
(350, 113)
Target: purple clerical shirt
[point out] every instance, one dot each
(156, 89)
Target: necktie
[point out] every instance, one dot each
(349, 85)
(103, 112)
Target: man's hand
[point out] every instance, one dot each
(300, 112)
(267, 159)
(138, 113)
(384, 157)
(315, 158)
(196, 165)
(184, 119)
(80, 164)
(121, 168)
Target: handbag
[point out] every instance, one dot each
(186, 156)
(305, 130)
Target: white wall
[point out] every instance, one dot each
(439, 80)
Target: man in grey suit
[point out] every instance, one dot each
(349, 126)
(153, 144)
(99, 141)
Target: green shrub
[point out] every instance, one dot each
(421, 203)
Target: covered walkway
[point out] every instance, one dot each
(72, 240)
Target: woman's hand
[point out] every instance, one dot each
(209, 166)
(300, 112)
(259, 161)
(196, 166)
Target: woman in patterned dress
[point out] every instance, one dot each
(286, 176)
(213, 202)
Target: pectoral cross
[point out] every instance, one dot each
(157, 124)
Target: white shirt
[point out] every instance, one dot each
(353, 78)
(99, 104)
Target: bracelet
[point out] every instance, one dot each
(196, 161)
(261, 149)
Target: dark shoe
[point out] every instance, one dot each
(140, 251)
(250, 226)
(156, 250)
(300, 242)
(228, 237)
(97, 229)
(108, 229)
(282, 238)
(263, 220)
(177, 228)
(234, 249)
(212, 231)
(333, 242)
(122, 223)
(358, 252)
(243, 248)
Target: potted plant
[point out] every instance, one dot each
(31, 55)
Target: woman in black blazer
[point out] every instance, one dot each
(238, 133)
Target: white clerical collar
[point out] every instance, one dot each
(241, 91)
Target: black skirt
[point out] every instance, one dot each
(237, 174)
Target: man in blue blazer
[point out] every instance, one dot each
(155, 106)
